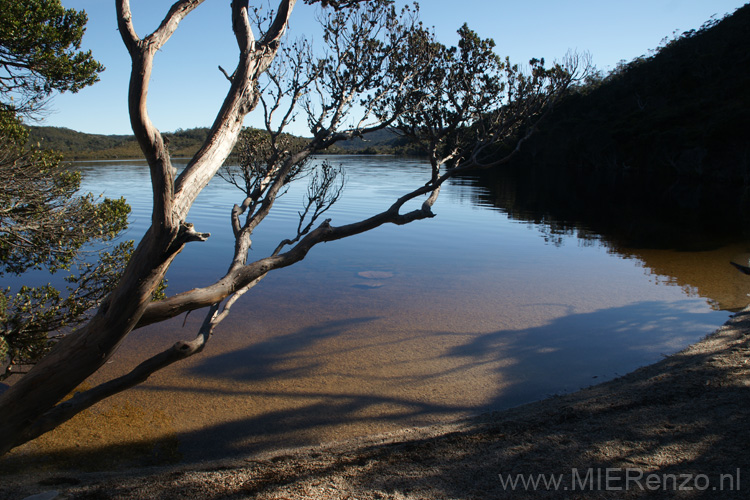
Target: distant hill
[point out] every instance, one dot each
(81, 146)
(185, 143)
(380, 142)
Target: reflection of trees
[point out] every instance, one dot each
(706, 274)
(626, 210)
(686, 233)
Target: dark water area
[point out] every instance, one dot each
(519, 289)
(636, 215)
(626, 210)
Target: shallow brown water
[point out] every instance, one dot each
(360, 361)
(404, 328)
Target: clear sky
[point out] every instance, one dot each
(187, 87)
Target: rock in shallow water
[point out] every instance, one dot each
(375, 275)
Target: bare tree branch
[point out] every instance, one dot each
(79, 354)
(241, 99)
(176, 13)
(149, 138)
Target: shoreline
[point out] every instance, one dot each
(685, 415)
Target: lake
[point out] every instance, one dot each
(482, 308)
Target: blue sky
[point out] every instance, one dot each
(187, 87)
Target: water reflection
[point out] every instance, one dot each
(681, 234)
(630, 211)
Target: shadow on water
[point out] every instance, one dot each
(574, 350)
(265, 360)
(581, 349)
(636, 429)
(568, 353)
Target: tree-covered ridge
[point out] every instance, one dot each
(655, 154)
(681, 112)
(185, 143)
(384, 141)
(81, 146)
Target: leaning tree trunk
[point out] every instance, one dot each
(84, 351)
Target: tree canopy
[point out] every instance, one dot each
(40, 43)
(44, 221)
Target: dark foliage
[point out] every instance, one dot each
(680, 113)
(654, 154)
(44, 223)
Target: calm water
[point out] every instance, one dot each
(470, 311)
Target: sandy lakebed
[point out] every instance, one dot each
(675, 429)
